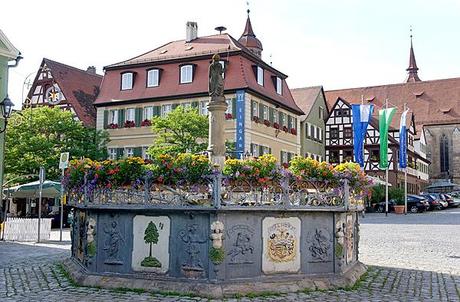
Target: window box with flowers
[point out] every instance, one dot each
(129, 124)
(293, 131)
(276, 125)
(146, 123)
(113, 126)
(255, 118)
(267, 123)
(285, 129)
(228, 116)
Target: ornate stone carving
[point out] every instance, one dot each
(90, 235)
(217, 234)
(113, 243)
(282, 243)
(320, 245)
(242, 249)
(216, 80)
(340, 240)
(192, 267)
(349, 239)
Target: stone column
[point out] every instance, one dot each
(216, 147)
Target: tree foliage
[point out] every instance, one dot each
(151, 233)
(180, 131)
(36, 137)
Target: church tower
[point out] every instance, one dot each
(412, 75)
(248, 39)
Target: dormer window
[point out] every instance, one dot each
(186, 74)
(127, 81)
(279, 86)
(260, 76)
(153, 77)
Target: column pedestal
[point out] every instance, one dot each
(216, 147)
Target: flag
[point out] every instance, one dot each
(385, 117)
(361, 116)
(403, 141)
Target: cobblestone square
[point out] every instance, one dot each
(410, 258)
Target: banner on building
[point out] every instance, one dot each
(385, 117)
(361, 117)
(240, 114)
(403, 141)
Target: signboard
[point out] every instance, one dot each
(41, 175)
(64, 160)
(240, 115)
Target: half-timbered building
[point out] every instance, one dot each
(67, 87)
(339, 148)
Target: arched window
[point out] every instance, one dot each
(444, 154)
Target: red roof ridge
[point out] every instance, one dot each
(72, 67)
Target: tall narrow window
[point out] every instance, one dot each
(204, 108)
(279, 86)
(113, 117)
(153, 77)
(165, 109)
(130, 114)
(127, 81)
(186, 74)
(260, 76)
(148, 113)
(444, 154)
(112, 153)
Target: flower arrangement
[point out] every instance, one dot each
(276, 125)
(255, 118)
(113, 126)
(228, 116)
(129, 124)
(285, 129)
(258, 170)
(146, 123)
(293, 131)
(267, 123)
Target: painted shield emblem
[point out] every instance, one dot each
(281, 244)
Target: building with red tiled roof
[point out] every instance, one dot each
(135, 90)
(70, 88)
(436, 108)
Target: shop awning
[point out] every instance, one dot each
(51, 189)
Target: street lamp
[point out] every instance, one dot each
(6, 107)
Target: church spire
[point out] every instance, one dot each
(412, 69)
(249, 40)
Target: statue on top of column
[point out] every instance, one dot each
(216, 80)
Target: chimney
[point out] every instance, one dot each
(191, 32)
(91, 70)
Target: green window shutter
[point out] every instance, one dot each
(137, 152)
(252, 148)
(261, 112)
(156, 110)
(281, 157)
(121, 118)
(138, 117)
(261, 150)
(295, 123)
(289, 156)
(174, 106)
(195, 104)
(106, 118)
(120, 152)
(234, 108)
(253, 104)
(289, 122)
(280, 119)
(270, 150)
(271, 114)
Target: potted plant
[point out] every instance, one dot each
(267, 123)
(397, 195)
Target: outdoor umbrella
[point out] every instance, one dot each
(51, 189)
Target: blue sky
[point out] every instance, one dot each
(337, 44)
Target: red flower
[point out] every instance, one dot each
(276, 125)
(267, 123)
(130, 124)
(228, 116)
(113, 126)
(146, 123)
(293, 131)
(255, 118)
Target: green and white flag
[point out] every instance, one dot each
(385, 117)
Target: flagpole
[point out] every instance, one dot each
(386, 175)
(405, 172)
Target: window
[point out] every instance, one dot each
(342, 112)
(165, 109)
(187, 105)
(375, 155)
(279, 86)
(153, 77)
(283, 119)
(347, 132)
(130, 114)
(275, 117)
(186, 74)
(265, 112)
(338, 112)
(444, 154)
(127, 81)
(229, 106)
(266, 150)
(148, 113)
(312, 131)
(320, 158)
(113, 153)
(284, 157)
(204, 108)
(260, 76)
(129, 152)
(334, 132)
(321, 112)
(223, 68)
(348, 155)
(318, 131)
(334, 157)
(145, 155)
(113, 117)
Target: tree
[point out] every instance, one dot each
(182, 130)
(151, 237)
(36, 137)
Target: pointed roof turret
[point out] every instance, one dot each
(249, 40)
(412, 69)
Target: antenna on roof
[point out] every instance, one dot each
(247, 5)
(271, 61)
(220, 29)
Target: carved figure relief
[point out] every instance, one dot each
(192, 266)
(340, 240)
(90, 233)
(113, 242)
(81, 235)
(217, 233)
(241, 249)
(320, 245)
(349, 238)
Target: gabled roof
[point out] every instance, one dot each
(306, 97)
(79, 87)
(7, 49)
(433, 102)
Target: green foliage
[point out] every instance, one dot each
(217, 255)
(151, 233)
(36, 137)
(150, 262)
(396, 194)
(261, 169)
(377, 194)
(91, 249)
(180, 131)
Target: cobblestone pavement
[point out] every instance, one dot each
(411, 258)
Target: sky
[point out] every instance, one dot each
(334, 43)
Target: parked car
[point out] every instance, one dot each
(415, 204)
(380, 207)
(442, 199)
(435, 203)
(452, 202)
